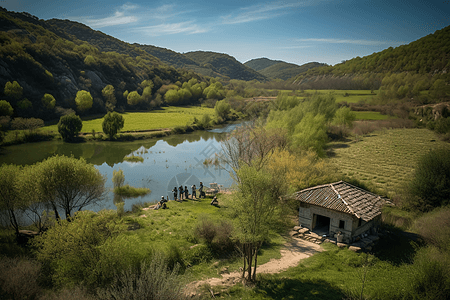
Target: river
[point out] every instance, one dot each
(168, 162)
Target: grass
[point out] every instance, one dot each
(129, 191)
(166, 117)
(386, 159)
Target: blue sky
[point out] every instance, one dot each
(302, 31)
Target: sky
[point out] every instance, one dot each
(302, 31)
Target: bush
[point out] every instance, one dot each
(112, 124)
(19, 278)
(69, 126)
(151, 280)
(430, 186)
(434, 228)
(206, 230)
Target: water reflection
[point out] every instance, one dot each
(171, 161)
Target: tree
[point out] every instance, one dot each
(5, 108)
(13, 90)
(134, 98)
(110, 98)
(112, 124)
(69, 126)
(222, 109)
(344, 117)
(10, 199)
(255, 208)
(430, 186)
(48, 101)
(69, 183)
(84, 100)
(118, 178)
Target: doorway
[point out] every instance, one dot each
(322, 224)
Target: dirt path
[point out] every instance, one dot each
(294, 251)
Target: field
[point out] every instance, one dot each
(386, 159)
(166, 117)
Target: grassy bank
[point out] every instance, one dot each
(166, 117)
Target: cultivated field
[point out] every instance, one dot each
(385, 159)
(166, 117)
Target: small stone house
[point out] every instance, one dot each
(339, 207)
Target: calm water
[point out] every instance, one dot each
(172, 161)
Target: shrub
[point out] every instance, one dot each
(206, 230)
(430, 186)
(112, 124)
(151, 280)
(69, 126)
(19, 278)
(434, 228)
(118, 178)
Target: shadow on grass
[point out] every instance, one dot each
(396, 246)
(273, 287)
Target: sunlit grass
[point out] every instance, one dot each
(386, 159)
(129, 191)
(166, 117)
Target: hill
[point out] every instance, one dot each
(407, 69)
(225, 65)
(259, 64)
(61, 57)
(276, 69)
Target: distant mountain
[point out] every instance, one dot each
(225, 64)
(259, 64)
(276, 69)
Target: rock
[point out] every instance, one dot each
(224, 270)
(293, 233)
(354, 249)
(303, 230)
(314, 235)
(373, 238)
(341, 245)
(368, 248)
(297, 228)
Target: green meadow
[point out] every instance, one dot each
(371, 115)
(166, 117)
(385, 159)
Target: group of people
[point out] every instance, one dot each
(181, 193)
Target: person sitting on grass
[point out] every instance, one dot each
(214, 201)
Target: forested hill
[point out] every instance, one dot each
(428, 56)
(276, 69)
(60, 58)
(225, 65)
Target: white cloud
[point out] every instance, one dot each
(120, 17)
(187, 27)
(263, 11)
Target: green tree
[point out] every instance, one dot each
(110, 98)
(112, 124)
(134, 98)
(255, 207)
(84, 100)
(430, 186)
(10, 196)
(171, 96)
(71, 252)
(344, 117)
(48, 101)
(222, 109)
(5, 108)
(13, 90)
(69, 184)
(69, 126)
(311, 133)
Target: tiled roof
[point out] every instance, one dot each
(344, 197)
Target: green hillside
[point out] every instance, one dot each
(225, 65)
(401, 71)
(259, 64)
(60, 58)
(286, 71)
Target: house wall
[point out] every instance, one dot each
(306, 219)
(374, 223)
